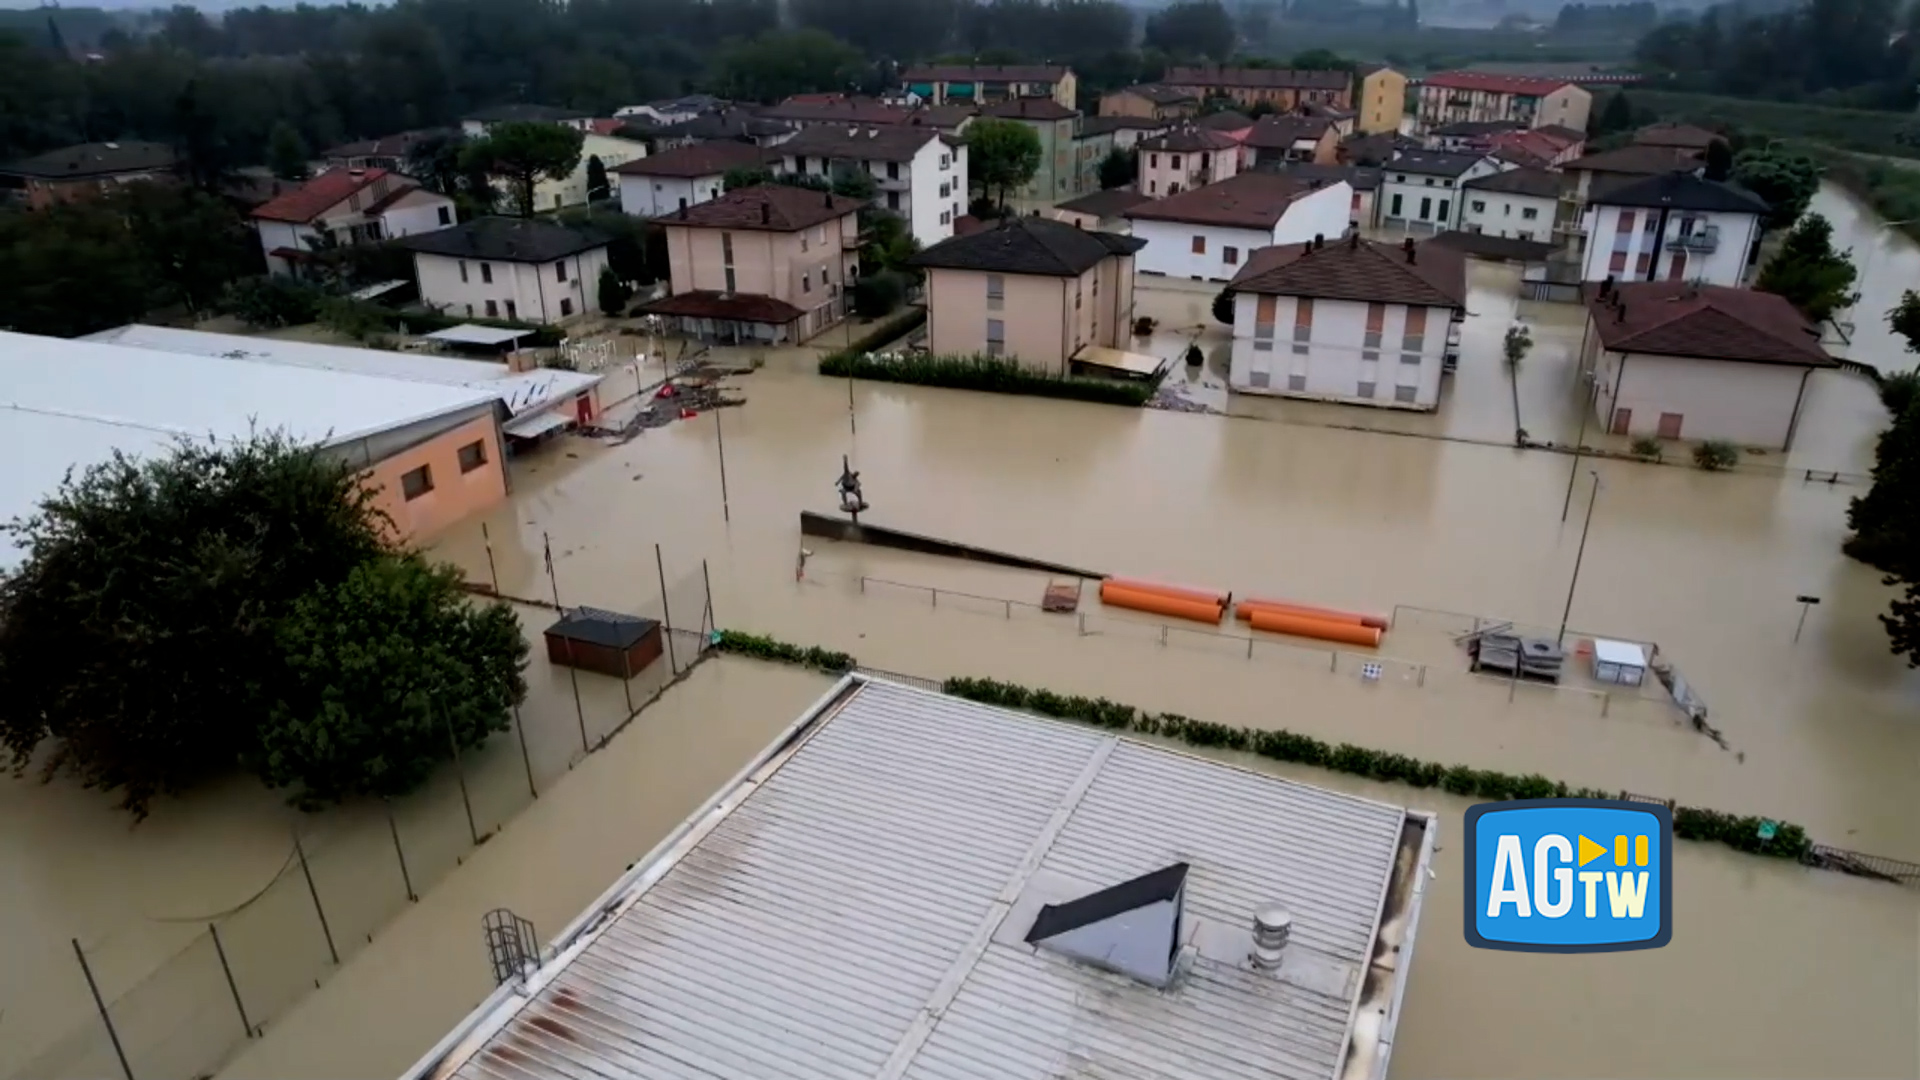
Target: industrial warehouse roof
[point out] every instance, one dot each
(72, 404)
(520, 392)
(867, 900)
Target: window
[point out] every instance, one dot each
(996, 292)
(1153, 187)
(893, 170)
(946, 217)
(730, 282)
(1404, 394)
(469, 311)
(1443, 211)
(446, 216)
(1530, 214)
(1175, 160)
(1625, 222)
(1259, 379)
(463, 271)
(806, 282)
(416, 483)
(1262, 345)
(1199, 245)
(486, 273)
(1366, 390)
(1206, 161)
(945, 189)
(803, 242)
(1394, 210)
(996, 337)
(511, 313)
(726, 248)
(1640, 262)
(1429, 181)
(1618, 263)
(1370, 343)
(473, 455)
(493, 310)
(1401, 179)
(945, 160)
(1076, 296)
(1414, 337)
(1302, 325)
(1479, 206)
(893, 200)
(1297, 383)
(566, 306)
(1153, 161)
(560, 271)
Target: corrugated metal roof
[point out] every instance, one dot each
(840, 916)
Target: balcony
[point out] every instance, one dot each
(1704, 240)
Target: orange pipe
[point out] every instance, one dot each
(1206, 596)
(1277, 622)
(1197, 610)
(1249, 606)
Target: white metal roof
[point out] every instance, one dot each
(1619, 652)
(475, 334)
(838, 913)
(70, 404)
(519, 391)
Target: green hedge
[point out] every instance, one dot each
(887, 332)
(765, 648)
(987, 374)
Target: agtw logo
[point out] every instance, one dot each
(1569, 875)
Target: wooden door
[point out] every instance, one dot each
(1621, 419)
(1670, 425)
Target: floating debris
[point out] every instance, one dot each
(1170, 399)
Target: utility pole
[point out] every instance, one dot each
(1593, 391)
(1579, 556)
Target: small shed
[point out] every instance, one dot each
(607, 642)
(1620, 662)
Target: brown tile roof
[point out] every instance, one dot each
(1187, 139)
(1716, 322)
(1109, 203)
(1281, 132)
(1250, 200)
(984, 73)
(1538, 183)
(1158, 94)
(1028, 245)
(1257, 78)
(1525, 85)
(95, 159)
(942, 116)
(699, 159)
(858, 143)
(1637, 160)
(1681, 136)
(764, 207)
(1102, 125)
(1226, 120)
(852, 110)
(1030, 109)
(398, 145)
(1422, 275)
(311, 199)
(739, 307)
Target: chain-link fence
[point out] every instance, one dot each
(348, 871)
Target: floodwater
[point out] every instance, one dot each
(1441, 515)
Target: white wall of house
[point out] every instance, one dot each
(1620, 243)
(418, 212)
(654, 196)
(1427, 202)
(282, 234)
(930, 190)
(1501, 213)
(1327, 357)
(1326, 212)
(1750, 405)
(529, 292)
(1169, 172)
(1216, 253)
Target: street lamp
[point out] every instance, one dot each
(1578, 557)
(1593, 392)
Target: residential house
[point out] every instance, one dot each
(1376, 149)
(1282, 89)
(917, 172)
(1419, 190)
(523, 269)
(1281, 139)
(1454, 96)
(768, 264)
(551, 194)
(1105, 211)
(345, 207)
(1341, 120)
(1470, 136)
(1363, 179)
(1125, 131)
(1207, 233)
(480, 121)
(1062, 174)
(1675, 227)
(1678, 136)
(1033, 289)
(1382, 98)
(1361, 322)
(1517, 203)
(1183, 159)
(1090, 149)
(76, 172)
(1590, 174)
(672, 110)
(392, 152)
(1229, 122)
(723, 125)
(663, 183)
(1680, 360)
(1149, 101)
(979, 84)
(1547, 147)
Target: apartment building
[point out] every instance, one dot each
(979, 84)
(1672, 227)
(1451, 97)
(1063, 171)
(520, 269)
(344, 207)
(1184, 159)
(1283, 89)
(918, 172)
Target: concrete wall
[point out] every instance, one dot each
(1382, 102)
(1033, 314)
(1616, 242)
(455, 495)
(1568, 106)
(1499, 213)
(654, 196)
(1751, 405)
(1165, 172)
(1335, 360)
(531, 292)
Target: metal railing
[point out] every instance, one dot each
(1859, 864)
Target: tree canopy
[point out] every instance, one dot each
(1192, 28)
(523, 154)
(1002, 155)
(1858, 53)
(1809, 272)
(1787, 181)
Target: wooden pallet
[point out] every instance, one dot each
(1063, 595)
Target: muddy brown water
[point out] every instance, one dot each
(1823, 731)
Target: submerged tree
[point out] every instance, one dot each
(1809, 273)
(1002, 155)
(522, 155)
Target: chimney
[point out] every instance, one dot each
(766, 214)
(1353, 238)
(1319, 241)
(683, 211)
(1606, 287)
(1272, 928)
(826, 199)
(1407, 246)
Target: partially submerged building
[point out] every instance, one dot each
(911, 886)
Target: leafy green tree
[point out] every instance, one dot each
(1883, 520)
(744, 177)
(785, 62)
(614, 293)
(1192, 28)
(1615, 116)
(886, 243)
(1002, 155)
(1119, 168)
(287, 152)
(877, 295)
(270, 301)
(1223, 307)
(523, 154)
(1719, 160)
(598, 189)
(1808, 272)
(139, 633)
(384, 673)
(1787, 181)
(191, 243)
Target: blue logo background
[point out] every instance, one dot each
(1619, 841)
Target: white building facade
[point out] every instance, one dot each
(518, 269)
(1420, 190)
(1668, 243)
(917, 172)
(1517, 203)
(345, 207)
(1208, 235)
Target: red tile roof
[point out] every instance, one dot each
(739, 307)
(697, 159)
(1364, 271)
(606, 125)
(1528, 85)
(1190, 140)
(1714, 322)
(1030, 109)
(764, 207)
(854, 110)
(311, 199)
(1250, 200)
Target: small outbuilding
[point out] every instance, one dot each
(1620, 662)
(606, 642)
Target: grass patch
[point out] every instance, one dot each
(1866, 131)
(987, 374)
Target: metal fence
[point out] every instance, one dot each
(108, 1011)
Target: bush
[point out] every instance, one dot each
(1646, 446)
(986, 374)
(765, 648)
(877, 295)
(1899, 390)
(1716, 454)
(885, 334)
(268, 302)
(1143, 326)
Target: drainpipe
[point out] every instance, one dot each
(1793, 424)
(1619, 384)
(540, 286)
(1659, 240)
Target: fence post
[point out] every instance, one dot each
(315, 893)
(626, 678)
(1163, 635)
(493, 572)
(99, 1003)
(1423, 676)
(399, 852)
(520, 731)
(460, 769)
(706, 579)
(1249, 646)
(666, 613)
(239, 1006)
(1334, 661)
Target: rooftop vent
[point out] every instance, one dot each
(1272, 929)
(1131, 929)
(1407, 246)
(766, 214)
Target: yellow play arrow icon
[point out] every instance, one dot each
(1590, 851)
